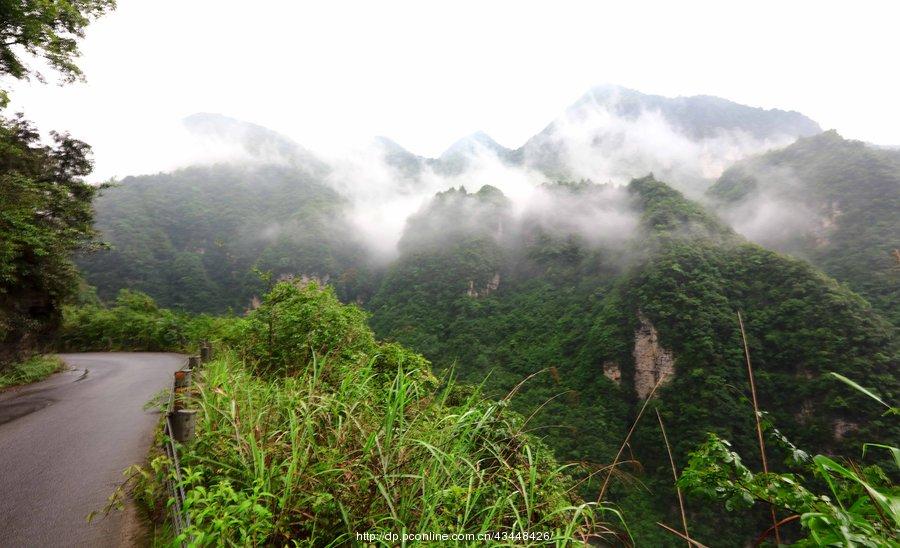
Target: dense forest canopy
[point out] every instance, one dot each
(192, 238)
(469, 342)
(591, 292)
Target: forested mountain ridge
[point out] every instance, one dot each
(246, 193)
(192, 238)
(600, 321)
(826, 199)
(541, 361)
(617, 133)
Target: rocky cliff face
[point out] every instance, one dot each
(488, 288)
(652, 362)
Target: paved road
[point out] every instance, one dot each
(65, 441)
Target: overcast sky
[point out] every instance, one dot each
(427, 73)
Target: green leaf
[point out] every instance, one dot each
(865, 391)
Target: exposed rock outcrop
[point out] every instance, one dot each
(652, 362)
(842, 428)
(488, 288)
(827, 224)
(613, 372)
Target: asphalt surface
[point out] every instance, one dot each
(65, 441)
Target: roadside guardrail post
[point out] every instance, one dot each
(205, 352)
(182, 378)
(184, 424)
(180, 426)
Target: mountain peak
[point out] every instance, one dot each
(257, 141)
(472, 144)
(698, 116)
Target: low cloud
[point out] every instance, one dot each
(382, 197)
(596, 143)
(384, 185)
(601, 215)
(774, 213)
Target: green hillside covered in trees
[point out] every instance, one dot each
(839, 203)
(192, 238)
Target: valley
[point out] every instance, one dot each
(375, 273)
(578, 296)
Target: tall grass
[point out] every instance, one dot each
(361, 438)
(31, 370)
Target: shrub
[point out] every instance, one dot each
(134, 322)
(860, 506)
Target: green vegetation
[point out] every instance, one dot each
(134, 322)
(45, 215)
(45, 205)
(839, 203)
(311, 431)
(566, 309)
(531, 309)
(33, 369)
(861, 506)
(48, 29)
(548, 333)
(192, 238)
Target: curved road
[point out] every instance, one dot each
(65, 441)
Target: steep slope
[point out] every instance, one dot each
(598, 317)
(829, 200)
(405, 164)
(614, 133)
(191, 238)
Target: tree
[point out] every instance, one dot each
(47, 29)
(45, 216)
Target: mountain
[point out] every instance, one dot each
(577, 297)
(252, 142)
(596, 292)
(613, 133)
(460, 155)
(191, 238)
(405, 164)
(826, 199)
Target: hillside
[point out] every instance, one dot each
(192, 238)
(598, 315)
(246, 141)
(826, 199)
